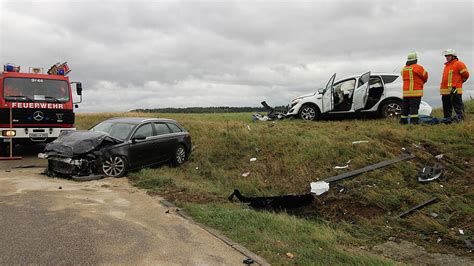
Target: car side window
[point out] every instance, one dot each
(389, 79)
(161, 129)
(174, 128)
(145, 130)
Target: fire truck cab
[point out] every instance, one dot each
(35, 107)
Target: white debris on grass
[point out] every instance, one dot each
(359, 141)
(245, 174)
(319, 187)
(343, 167)
(253, 159)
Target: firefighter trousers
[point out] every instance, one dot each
(410, 108)
(450, 101)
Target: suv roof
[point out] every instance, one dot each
(139, 119)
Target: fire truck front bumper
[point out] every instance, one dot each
(31, 134)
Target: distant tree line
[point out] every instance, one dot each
(219, 109)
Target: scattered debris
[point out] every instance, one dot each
(439, 156)
(248, 127)
(60, 187)
(290, 255)
(469, 243)
(430, 173)
(343, 167)
(245, 174)
(324, 184)
(270, 116)
(319, 187)
(419, 206)
(359, 141)
(461, 231)
(253, 159)
(248, 261)
(433, 214)
(439, 240)
(197, 167)
(275, 202)
(167, 211)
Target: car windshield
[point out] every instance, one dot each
(119, 130)
(35, 90)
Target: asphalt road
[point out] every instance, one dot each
(56, 221)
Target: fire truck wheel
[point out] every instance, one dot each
(115, 166)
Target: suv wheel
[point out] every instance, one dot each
(309, 113)
(391, 109)
(114, 166)
(180, 156)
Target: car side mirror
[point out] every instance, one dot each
(138, 137)
(321, 91)
(79, 88)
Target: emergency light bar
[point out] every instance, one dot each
(11, 68)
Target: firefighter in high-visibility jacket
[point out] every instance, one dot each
(414, 77)
(455, 73)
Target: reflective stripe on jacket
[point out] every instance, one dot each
(454, 74)
(414, 77)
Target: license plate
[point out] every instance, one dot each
(38, 135)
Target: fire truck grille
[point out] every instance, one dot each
(37, 116)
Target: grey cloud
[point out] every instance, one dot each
(144, 54)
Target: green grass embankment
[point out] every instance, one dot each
(290, 154)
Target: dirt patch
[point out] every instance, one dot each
(337, 209)
(408, 252)
(174, 195)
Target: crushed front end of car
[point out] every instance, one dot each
(77, 153)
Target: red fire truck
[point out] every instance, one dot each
(35, 107)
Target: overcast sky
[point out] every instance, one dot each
(151, 54)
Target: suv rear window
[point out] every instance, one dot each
(389, 79)
(174, 128)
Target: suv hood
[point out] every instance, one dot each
(73, 143)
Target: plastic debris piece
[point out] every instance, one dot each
(248, 127)
(419, 206)
(290, 255)
(248, 261)
(197, 167)
(433, 214)
(343, 167)
(430, 173)
(245, 174)
(274, 202)
(359, 141)
(253, 159)
(342, 190)
(439, 240)
(319, 187)
(461, 231)
(439, 156)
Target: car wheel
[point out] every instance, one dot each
(114, 166)
(391, 109)
(309, 113)
(180, 156)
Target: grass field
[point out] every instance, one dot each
(360, 212)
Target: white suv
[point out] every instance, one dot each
(370, 92)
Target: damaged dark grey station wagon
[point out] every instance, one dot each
(117, 145)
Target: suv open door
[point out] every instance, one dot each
(360, 93)
(327, 96)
